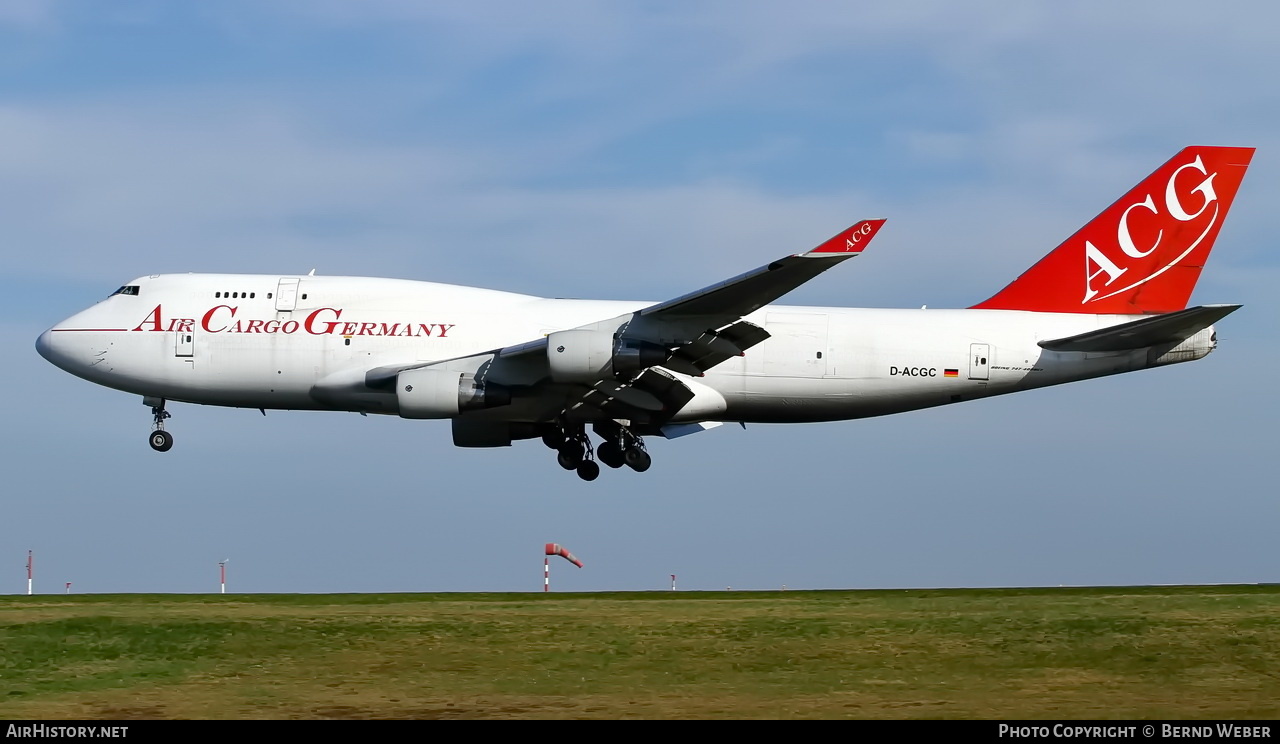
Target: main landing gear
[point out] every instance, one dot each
(574, 451)
(160, 440)
(624, 448)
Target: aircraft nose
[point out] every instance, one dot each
(44, 345)
(54, 349)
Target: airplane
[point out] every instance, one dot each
(505, 367)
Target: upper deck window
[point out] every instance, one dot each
(128, 289)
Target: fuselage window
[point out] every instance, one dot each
(128, 289)
(252, 295)
(268, 295)
(304, 295)
(217, 294)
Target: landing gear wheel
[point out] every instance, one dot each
(568, 461)
(588, 470)
(637, 459)
(610, 454)
(574, 449)
(553, 439)
(161, 440)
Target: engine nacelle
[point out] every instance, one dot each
(430, 393)
(584, 356)
(469, 433)
(579, 355)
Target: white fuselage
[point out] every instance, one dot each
(266, 341)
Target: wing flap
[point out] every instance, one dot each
(1169, 328)
(675, 431)
(628, 395)
(665, 387)
(654, 395)
(714, 347)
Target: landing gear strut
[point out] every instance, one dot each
(160, 440)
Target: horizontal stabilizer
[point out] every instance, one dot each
(1169, 328)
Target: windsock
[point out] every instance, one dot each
(555, 549)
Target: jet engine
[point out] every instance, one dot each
(429, 393)
(584, 356)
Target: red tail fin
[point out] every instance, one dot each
(1144, 253)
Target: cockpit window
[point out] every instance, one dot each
(128, 289)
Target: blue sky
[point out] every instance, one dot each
(636, 151)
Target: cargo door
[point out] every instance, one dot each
(797, 345)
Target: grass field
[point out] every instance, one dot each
(1140, 652)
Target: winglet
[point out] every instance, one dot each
(852, 240)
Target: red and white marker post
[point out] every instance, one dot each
(31, 564)
(222, 574)
(673, 582)
(555, 549)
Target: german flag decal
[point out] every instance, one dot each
(950, 373)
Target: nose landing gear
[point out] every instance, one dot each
(160, 440)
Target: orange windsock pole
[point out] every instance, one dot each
(555, 549)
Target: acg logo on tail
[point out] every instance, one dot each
(1101, 270)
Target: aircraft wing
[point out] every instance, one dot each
(622, 367)
(705, 327)
(727, 301)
